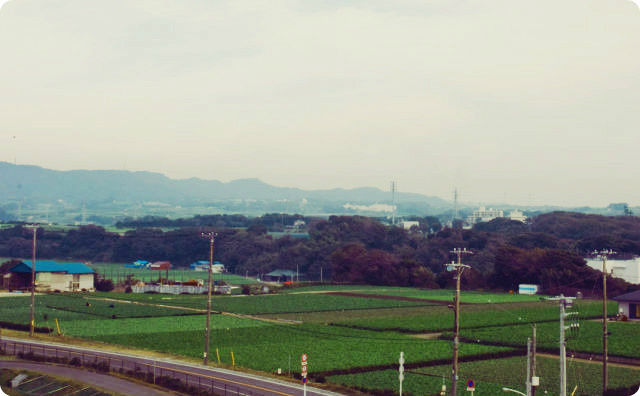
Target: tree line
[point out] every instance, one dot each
(547, 251)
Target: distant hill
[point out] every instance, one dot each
(39, 185)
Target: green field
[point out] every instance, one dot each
(623, 341)
(474, 316)
(344, 334)
(268, 303)
(267, 347)
(471, 297)
(70, 308)
(491, 376)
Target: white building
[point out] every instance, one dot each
(483, 215)
(628, 270)
(408, 224)
(517, 215)
(52, 276)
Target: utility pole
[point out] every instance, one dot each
(459, 268)
(535, 381)
(565, 302)
(212, 238)
(603, 254)
(34, 228)
(528, 367)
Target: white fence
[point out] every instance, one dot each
(179, 289)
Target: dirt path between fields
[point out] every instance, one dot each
(385, 297)
(203, 311)
(598, 362)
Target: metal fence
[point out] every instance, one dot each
(150, 372)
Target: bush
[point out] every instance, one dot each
(104, 285)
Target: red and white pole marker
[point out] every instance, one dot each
(303, 361)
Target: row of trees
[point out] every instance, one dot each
(358, 249)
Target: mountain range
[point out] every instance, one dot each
(35, 184)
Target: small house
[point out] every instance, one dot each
(629, 304)
(52, 276)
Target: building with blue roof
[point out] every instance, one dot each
(51, 276)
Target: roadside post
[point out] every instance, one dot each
(401, 371)
(303, 361)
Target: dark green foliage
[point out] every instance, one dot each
(104, 285)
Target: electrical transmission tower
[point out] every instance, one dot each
(394, 189)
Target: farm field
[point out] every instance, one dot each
(491, 376)
(268, 303)
(427, 294)
(473, 316)
(350, 340)
(69, 308)
(623, 340)
(267, 347)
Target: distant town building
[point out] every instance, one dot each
(483, 215)
(408, 224)
(628, 270)
(51, 276)
(517, 216)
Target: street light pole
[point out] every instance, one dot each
(459, 268)
(212, 238)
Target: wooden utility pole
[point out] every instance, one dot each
(458, 268)
(534, 383)
(33, 283)
(212, 238)
(603, 254)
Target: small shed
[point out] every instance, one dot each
(160, 266)
(629, 304)
(138, 264)
(280, 275)
(51, 276)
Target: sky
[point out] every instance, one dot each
(526, 102)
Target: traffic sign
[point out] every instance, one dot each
(471, 386)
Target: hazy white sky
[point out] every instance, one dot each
(523, 101)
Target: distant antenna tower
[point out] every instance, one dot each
(84, 213)
(455, 203)
(19, 210)
(394, 188)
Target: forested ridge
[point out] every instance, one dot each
(548, 250)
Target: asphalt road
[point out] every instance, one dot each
(103, 381)
(219, 381)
